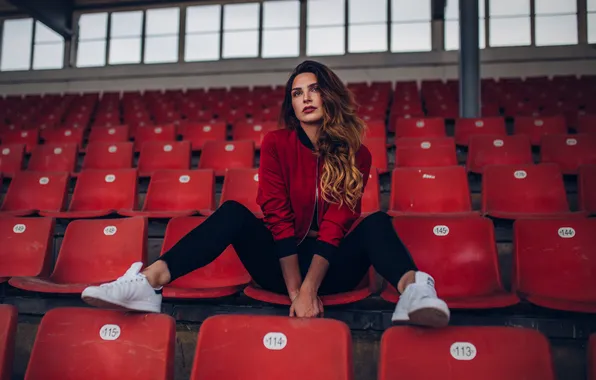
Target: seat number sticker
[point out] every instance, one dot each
(229, 148)
(19, 228)
(566, 232)
(109, 332)
(110, 230)
(463, 351)
(275, 341)
(441, 230)
(520, 174)
(498, 143)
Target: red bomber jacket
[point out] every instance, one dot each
(289, 186)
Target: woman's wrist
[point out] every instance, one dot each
(309, 287)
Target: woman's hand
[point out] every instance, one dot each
(306, 305)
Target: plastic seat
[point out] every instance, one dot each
(26, 247)
(586, 189)
(241, 185)
(108, 155)
(452, 249)
(536, 127)
(585, 124)
(101, 193)
(223, 277)
(378, 151)
(11, 159)
(75, 343)
(276, 344)
(115, 134)
(498, 150)
(8, 331)
(64, 136)
(464, 353)
(173, 193)
(158, 155)
(199, 133)
(253, 131)
(424, 152)
(561, 249)
(568, 151)
(53, 158)
(517, 191)
(592, 358)
(371, 199)
(92, 252)
(223, 155)
(28, 138)
(154, 133)
(376, 130)
(466, 128)
(32, 192)
(420, 127)
(436, 190)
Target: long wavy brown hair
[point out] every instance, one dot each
(338, 138)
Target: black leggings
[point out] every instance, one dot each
(373, 241)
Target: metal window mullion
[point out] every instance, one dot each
(303, 26)
(582, 22)
(389, 25)
(260, 42)
(221, 30)
(182, 34)
(532, 22)
(346, 26)
(1, 38)
(143, 35)
(108, 39)
(32, 57)
(486, 23)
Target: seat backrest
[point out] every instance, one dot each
(275, 345)
(378, 151)
(103, 344)
(586, 189)
(464, 353)
(569, 151)
(199, 133)
(154, 133)
(465, 128)
(254, 131)
(422, 151)
(172, 190)
(430, 190)
(222, 155)
(29, 138)
(420, 127)
(11, 158)
(375, 129)
(371, 199)
(241, 185)
(64, 136)
(26, 246)
(108, 155)
(37, 192)
(164, 155)
(585, 124)
(561, 248)
(536, 127)
(54, 158)
(99, 251)
(116, 133)
(105, 190)
(8, 332)
(498, 150)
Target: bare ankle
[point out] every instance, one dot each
(157, 274)
(405, 280)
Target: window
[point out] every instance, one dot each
(281, 29)
(241, 30)
(367, 26)
(452, 25)
(48, 52)
(556, 22)
(203, 24)
(16, 44)
(161, 35)
(93, 31)
(592, 21)
(325, 27)
(410, 25)
(125, 37)
(510, 23)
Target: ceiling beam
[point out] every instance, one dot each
(55, 14)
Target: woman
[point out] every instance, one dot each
(312, 176)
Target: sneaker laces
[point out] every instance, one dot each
(131, 275)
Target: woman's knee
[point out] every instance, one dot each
(235, 209)
(377, 217)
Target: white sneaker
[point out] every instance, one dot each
(419, 304)
(131, 291)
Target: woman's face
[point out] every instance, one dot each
(306, 99)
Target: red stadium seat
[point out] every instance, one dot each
(117, 133)
(517, 191)
(223, 155)
(375, 129)
(32, 192)
(420, 127)
(561, 249)
(158, 155)
(536, 127)
(108, 155)
(103, 344)
(53, 158)
(64, 136)
(199, 133)
(586, 189)
(464, 353)
(568, 151)
(466, 128)
(498, 150)
(223, 277)
(101, 193)
(452, 249)
(585, 124)
(154, 133)
(241, 185)
(175, 193)
(276, 344)
(378, 151)
(110, 246)
(11, 159)
(8, 331)
(29, 138)
(424, 152)
(371, 199)
(592, 358)
(26, 247)
(252, 131)
(438, 190)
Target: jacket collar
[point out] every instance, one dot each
(303, 137)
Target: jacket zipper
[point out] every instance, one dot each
(316, 201)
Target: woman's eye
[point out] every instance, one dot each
(315, 89)
(295, 94)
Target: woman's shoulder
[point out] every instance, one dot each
(363, 154)
(274, 137)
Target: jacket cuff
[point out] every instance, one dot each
(326, 250)
(285, 247)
